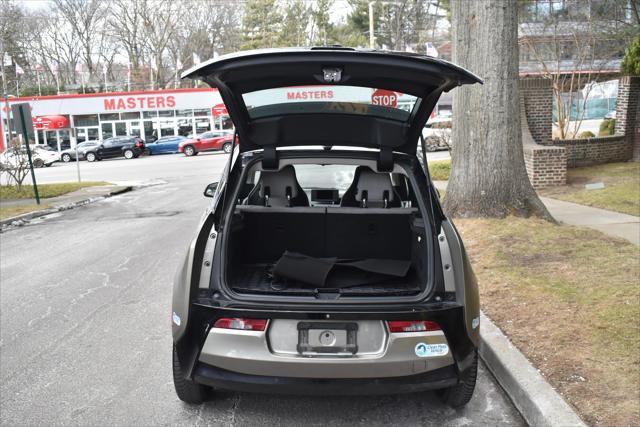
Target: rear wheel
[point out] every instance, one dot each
(187, 390)
(227, 147)
(38, 163)
(189, 151)
(461, 393)
(128, 154)
(66, 158)
(91, 157)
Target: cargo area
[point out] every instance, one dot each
(327, 251)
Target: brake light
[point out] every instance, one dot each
(413, 326)
(243, 324)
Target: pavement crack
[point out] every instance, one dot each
(234, 407)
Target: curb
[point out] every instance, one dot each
(538, 403)
(20, 219)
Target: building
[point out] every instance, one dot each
(148, 114)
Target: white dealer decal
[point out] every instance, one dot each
(431, 350)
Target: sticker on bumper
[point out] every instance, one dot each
(176, 319)
(431, 350)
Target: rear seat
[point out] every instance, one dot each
(325, 232)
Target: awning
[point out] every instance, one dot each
(50, 122)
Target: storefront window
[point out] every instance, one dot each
(121, 129)
(107, 130)
(185, 126)
(130, 116)
(110, 116)
(166, 113)
(92, 134)
(202, 112)
(149, 132)
(202, 125)
(149, 114)
(167, 128)
(184, 113)
(85, 120)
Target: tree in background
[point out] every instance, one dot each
(297, 15)
(262, 24)
(631, 61)
(488, 176)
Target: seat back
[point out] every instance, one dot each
(370, 189)
(278, 189)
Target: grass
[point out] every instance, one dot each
(10, 211)
(569, 298)
(440, 170)
(621, 192)
(10, 192)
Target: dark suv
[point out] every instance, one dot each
(325, 263)
(128, 147)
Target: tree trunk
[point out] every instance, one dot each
(488, 175)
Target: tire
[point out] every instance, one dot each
(128, 154)
(227, 147)
(48, 164)
(66, 158)
(38, 163)
(91, 157)
(461, 393)
(187, 391)
(189, 151)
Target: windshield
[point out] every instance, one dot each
(329, 99)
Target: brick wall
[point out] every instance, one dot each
(546, 165)
(628, 112)
(593, 151)
(538, 103)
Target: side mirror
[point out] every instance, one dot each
(211, 189)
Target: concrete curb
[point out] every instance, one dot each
(532, 395)
(20, 219)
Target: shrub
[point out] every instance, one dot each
(586, 134)
(607, 127)
(441, 125)
(631, 60)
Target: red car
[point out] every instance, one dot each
(209, 141)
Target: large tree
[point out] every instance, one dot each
(488, 175)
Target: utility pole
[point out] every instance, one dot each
(372, 38)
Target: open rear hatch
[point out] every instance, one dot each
(330, 96)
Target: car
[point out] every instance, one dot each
(129, 147)
(215, 140)
(164, 145)
(325, 263)
(40, 157)
(82, 147)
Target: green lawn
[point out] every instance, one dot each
(568, 298)
(11, 211)
(9, 192)
(440, 170)
(621, 192)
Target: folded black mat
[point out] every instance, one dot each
(337, 273)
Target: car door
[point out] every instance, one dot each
(206, 141)
(107, 148)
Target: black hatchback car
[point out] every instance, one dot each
(128, 147)
(325, 263)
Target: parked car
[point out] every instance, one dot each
(437, 134)
(214, 140)
(128, 147)
(164, 145)
(70, 154)
(40, 157)
(325, 263)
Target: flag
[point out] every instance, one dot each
(128, 69)
(104, 68)
(431, 50)
(196, 59)
(179, 64)
(78, 68)
(19, 69)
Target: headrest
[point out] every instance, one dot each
(375, 187)
(279, 184)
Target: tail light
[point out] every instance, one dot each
(413, 326)
(242, 324)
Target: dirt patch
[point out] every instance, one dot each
(569, 299)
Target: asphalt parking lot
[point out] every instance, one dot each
(85, 333)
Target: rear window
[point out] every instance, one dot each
(331, 100)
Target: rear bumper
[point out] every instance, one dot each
(229, 380)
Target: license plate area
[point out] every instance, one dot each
(327, 338)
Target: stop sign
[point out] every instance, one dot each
(386, 98)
